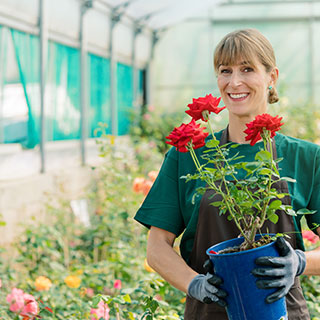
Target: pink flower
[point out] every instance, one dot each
(0, 283)
(90, 292)
(101, 312)
(16, 300)
(151, 108)
(31, 308)
(310, 236)
(22, 303)
(117, 284)
(146, 117)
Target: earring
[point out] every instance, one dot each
(270, 87)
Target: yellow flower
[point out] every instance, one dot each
(42, 283)
(112, 139)
(147, 267)
(183, 300)
(72, 281)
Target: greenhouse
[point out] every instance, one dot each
(89, 93)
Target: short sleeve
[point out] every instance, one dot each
(314, 204)
(161, 207)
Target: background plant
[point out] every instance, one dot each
(105, 256)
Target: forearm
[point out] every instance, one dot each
(313, 261)
(165, 260)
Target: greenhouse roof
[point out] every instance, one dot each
(166, 13)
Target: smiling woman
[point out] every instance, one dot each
(246, 71)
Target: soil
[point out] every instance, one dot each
(259, 243)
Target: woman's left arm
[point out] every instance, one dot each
(313, 261)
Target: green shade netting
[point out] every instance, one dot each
(26, 48)
(62, 93)
(125, 95)
(3, 56)
(99, 91)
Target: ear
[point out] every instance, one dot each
(274, 75)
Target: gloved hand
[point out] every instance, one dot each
(204, 288)
(282, 271)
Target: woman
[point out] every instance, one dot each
(246, 71)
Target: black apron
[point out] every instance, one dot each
(212, 229)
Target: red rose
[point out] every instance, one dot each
(261, 122)
(207, 103)
(181, 137)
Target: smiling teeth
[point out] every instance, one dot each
(238, 96)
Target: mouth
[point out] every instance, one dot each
(238, 96)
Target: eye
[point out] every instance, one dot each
(224, 70)
(248, 69)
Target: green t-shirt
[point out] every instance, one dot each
(169, 203)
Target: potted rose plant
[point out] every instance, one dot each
(249, 202)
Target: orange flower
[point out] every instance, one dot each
(72, 281)
(153, 175)
(83, 292)
(146, 187)
(42, 283)
(138, 184)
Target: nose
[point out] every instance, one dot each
(235, 79)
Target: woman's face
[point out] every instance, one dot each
(244, 88)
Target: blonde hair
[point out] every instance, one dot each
(247, 45)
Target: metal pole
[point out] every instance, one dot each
(149, 95)
(43, 52)
(113, 77)
(3, 64)
(136, 32)
(312, 55)
(86, 4)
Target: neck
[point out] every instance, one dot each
(236, 129)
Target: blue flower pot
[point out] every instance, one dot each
(245, 300)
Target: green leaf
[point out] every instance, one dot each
(127, 298)
(306, 211)
(95, 302)
(265, 171)
(252, 166)
(263, 155)
(131, 316)
(276, 204)
(291, 212)
(211, 170)
(212, 143)
(216, 203)
(288, 179)
(273, 218)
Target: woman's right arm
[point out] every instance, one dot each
(166, 261)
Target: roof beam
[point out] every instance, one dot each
(265, 2)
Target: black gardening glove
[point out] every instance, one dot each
(280, 271)
(205, 288)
